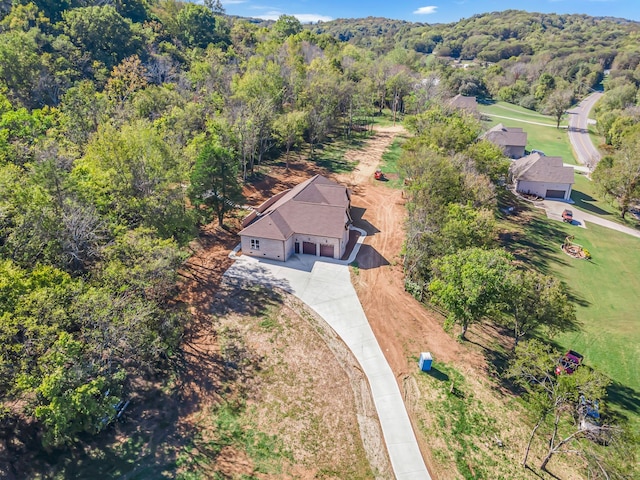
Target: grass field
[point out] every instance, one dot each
(547, 138)
(389, 164)
(605, 291)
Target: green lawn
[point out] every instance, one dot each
(547, 138)
(510, 110)
(605, 291)
(389, 164)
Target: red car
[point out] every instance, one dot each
(569, 363)
(567, 216)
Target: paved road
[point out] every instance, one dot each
(586, 153)
(554, 210)
(325, 286)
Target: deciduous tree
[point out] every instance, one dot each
(470, 284)
(214, 180)
(619, 175)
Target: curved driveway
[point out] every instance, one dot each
(586, 153)
(554, 210)
(325, 286)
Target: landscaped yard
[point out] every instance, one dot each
(547, 138)
(605, 291)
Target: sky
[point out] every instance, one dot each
(425, 11)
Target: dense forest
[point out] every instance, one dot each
(121, 123)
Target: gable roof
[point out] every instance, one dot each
(464, 103)
(315, 207)
(506, 136)
(540, 168)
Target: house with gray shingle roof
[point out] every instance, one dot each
(468, 104)
(512, 140)
(311, 218)
(543, 176)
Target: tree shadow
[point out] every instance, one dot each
(538, 245)
(582, 200)
(625, 398)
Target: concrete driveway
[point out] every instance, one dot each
(325, 286)
(554, 210)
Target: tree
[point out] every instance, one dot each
(100, 31)
(619, 175)
(470, 284)
(556, 397)
(535, 300)
(197, 25)
(466, 227)
(126, 78)
(289, 129)
(214, 180)
(557, 104)
(287, 25)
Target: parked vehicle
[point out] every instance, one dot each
(379, 175)
(569, 363)
(567, 216)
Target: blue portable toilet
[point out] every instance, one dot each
(425, 361)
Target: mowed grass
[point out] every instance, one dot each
(389, 164)
(605, 292)
(547, 138)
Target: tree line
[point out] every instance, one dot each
(453, 261)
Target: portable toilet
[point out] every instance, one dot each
(425, 361)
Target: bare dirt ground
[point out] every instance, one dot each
(401, 324)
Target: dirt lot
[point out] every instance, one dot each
(403, 327)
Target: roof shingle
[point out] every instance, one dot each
(315, 207)
(540, 168)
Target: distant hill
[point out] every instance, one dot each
(490, 36)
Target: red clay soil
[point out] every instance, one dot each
(403, 326)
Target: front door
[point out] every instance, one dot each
(296, 247)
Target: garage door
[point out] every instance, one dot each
(309, 248)
(326, 251)
(555, 194)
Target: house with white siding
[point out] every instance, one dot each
(543, 176)
(312, 218)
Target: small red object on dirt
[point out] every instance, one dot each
(379, 175)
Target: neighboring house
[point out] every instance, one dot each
(512, 140)
(543, 176)
(468, 104)
(311, 218)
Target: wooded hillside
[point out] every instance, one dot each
(122, 123)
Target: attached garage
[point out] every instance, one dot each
(545, 177)
(555, 194)
(311, 219)
(309, 248)
(326, 251)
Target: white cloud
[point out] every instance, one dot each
(425, 10)
(232, 2)
(303, 17)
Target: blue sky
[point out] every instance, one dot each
(426, 11)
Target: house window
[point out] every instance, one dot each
(255, 244)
